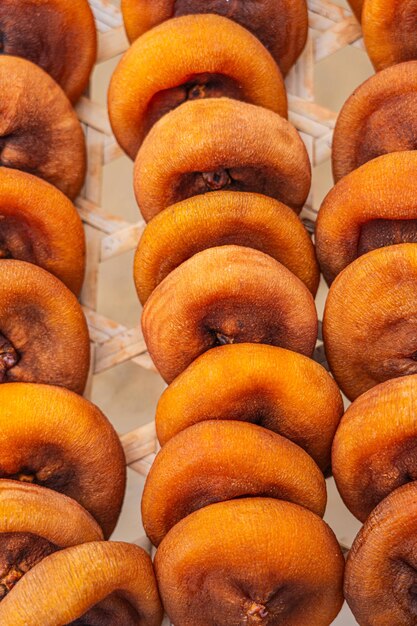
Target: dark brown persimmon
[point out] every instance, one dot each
(57, 35)
(103, 583)
(34, 523)
(281, 25)
(214, 461)
(374, 450)
(356, 6)
(223, 218)
(389, 31)
(39, 131)
(249, 562)
(220, 144)
(43, 332)
(379, 117)
(260, 384)
(52, 437)
(186, 59)
(224, 295)
(380, 577)
(372, 207)
(38, 224)
(370, 325)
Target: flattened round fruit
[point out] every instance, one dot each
(54, 438)
(389, 31)
(39, 131)
(372, 207)
(35, 522)
(185, 59)
(220, 144)
(57, 35)
(380, 578)
(223, 218)
(370, 325)
(281, 25)
(103, 583)
(251, 561)
(32, 215)
(43, 332)
(216, 461)
(379, 117)
(374, 450)
(226, 295)
(260, 384)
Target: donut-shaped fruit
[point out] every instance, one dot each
(184, 59)
(214, 461)
(57, 35)
(251, 561)
(281, 26)
(220, 144)
(32, 214)
(380, 580)
(379, 117)
(374, 450)
(373, 206)
(39, 131)
(106, 583)
(223, 218)
(370, 326)
(35, 522)
(389, 31)
(260, 384)
(43, 332)
(54, 438)
(228, 294)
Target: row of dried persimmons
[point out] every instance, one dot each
(227, 275)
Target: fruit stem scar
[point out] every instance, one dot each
(257, 611)
(223, 340)
(8, 581)
(196, 92)
(216, 180)
(8, 357)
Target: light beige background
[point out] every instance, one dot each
(128, 394)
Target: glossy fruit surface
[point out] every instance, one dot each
(225, 295)
(259, 384)
(251, 561)
(223, 218)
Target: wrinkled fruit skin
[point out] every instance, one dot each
(251, 561)
(380, 579)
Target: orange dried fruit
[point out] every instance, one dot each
(43, 332)
(103, 583)
(32, 214)
(379, 117)
(389, 31)
(380, 579)
(184, 59)
(369, 326)
(39, 131)
(34, 523)
(220, 144)
(57, 35)
(52, 437)
(228, 294)
(223, 218)
(281, 26)
(217, 460)
(374, 450)
(373, 206)
(260, 384)
(251, 561)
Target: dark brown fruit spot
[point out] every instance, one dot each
(5, 253)
(381, 233)
(8, 357)
(413, 356)
(1, 42)
(216, 180)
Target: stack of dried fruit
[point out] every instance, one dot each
(366, 239)
(227, 275)
(62, 467)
